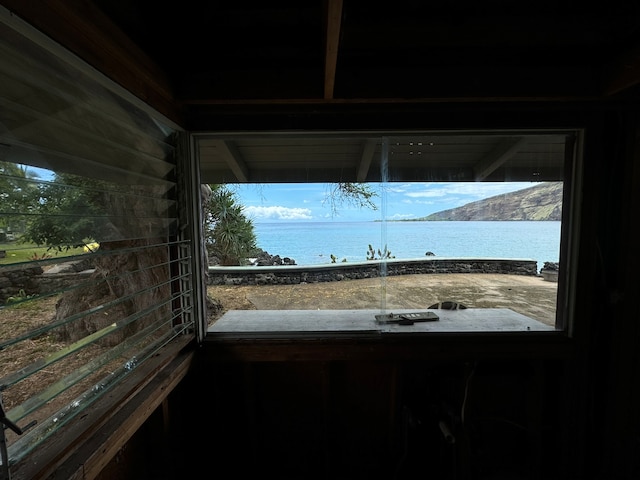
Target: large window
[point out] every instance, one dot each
(400, 220)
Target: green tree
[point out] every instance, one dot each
(72, 212)
(18, 196)
(125, 219)
(229, 233)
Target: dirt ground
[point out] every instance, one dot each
(528, 295)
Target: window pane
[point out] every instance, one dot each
(469, 217)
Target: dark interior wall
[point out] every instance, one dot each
(352, 420)
(614, 330)
(348, 420)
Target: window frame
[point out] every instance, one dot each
(572, 186)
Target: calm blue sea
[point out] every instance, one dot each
(312, 243)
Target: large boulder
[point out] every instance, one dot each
(264, 259)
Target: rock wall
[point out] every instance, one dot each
(16, 282)
(33, 281)
(295, 274)
(19, 282)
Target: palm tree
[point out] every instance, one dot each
(229, 234)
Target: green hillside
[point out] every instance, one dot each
(540, 202)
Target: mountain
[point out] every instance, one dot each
(540, 202)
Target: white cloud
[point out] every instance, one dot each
(428, 193)
(472, 190)
(417, 202)
(402, 216)
(277, 213)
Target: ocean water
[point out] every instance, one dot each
(313, 243)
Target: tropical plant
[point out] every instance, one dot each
(20, 296)
(229, 233)
(383, 254)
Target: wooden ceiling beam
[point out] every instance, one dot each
(333, 25)
(497, 157)
(366, 158)
(234, 159)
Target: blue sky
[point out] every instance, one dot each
(308, 202)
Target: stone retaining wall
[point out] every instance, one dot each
(18, 281)
(295, 274)
(33, 280)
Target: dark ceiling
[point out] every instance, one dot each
(313, 52)
(344, 50)
(214, 66)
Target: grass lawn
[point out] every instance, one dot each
(17, 252)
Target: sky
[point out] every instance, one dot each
(308, 202)
(404, 201)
